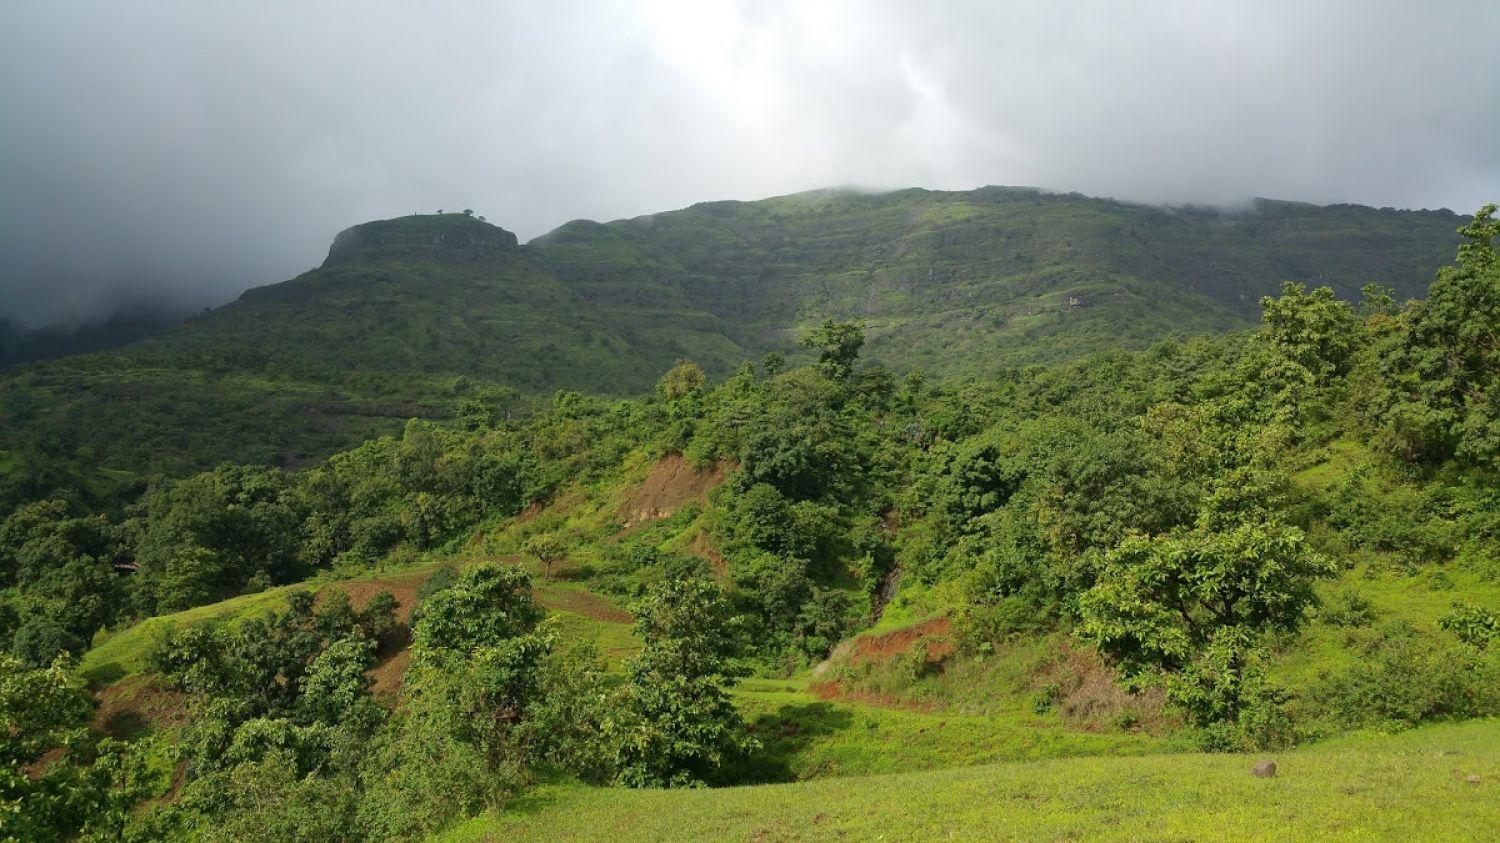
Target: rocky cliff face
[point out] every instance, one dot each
(453, 237)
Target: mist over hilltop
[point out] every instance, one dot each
(195, 150)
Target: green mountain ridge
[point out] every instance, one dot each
(414, 316)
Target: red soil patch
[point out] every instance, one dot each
(393, 658)
(672, 483)
(389, 675)
(403, 587)
(934, 633)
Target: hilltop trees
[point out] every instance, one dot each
(838, 345)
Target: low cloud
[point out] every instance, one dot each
(190, 150)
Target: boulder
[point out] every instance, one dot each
(1264, 769)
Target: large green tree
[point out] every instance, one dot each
(1313, 329)
(838, 345)
(680, 724)
(1441, 375)
(1192, 605)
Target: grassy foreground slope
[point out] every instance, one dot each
(1415, 785)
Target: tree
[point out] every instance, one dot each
(680, 381)
(838, 345)
(774, 363)
(681, 724)
(85, 786)
(485, 697)
(1441, 376)
(1191, 605)
(337, 684)
(547, 549)
(478, 657)
(487, 605)
(208, 536)
(1315, 330)
(63, 566)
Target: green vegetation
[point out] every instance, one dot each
(805, 737)
(1252, 542)
(1375, 787)
(87, 785)
(446, 317)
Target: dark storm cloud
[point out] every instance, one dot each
(193, 149)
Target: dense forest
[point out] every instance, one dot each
(1262, 538)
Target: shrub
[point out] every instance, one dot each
(1347, 608)
(1403, 679)
(1473, 625)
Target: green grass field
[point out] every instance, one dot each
(1410, 786)
(806, 737)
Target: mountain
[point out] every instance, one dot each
(957, 281)
(410, 317)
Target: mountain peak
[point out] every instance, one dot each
(444, 236)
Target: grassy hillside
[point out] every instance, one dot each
(1412, 785)
(579, 614)
(426, 316)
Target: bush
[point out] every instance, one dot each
(417, 779)
(1473, 625)
(1404, 679)
(679, 726)
(195, 659)
(485, 606)
(1347, 608)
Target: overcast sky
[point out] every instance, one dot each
(200, 148)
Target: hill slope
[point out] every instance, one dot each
(959, 281)
(412, 317)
